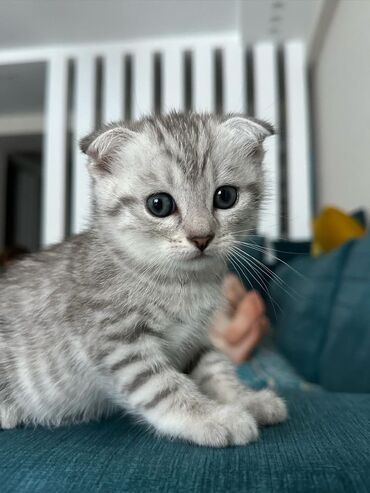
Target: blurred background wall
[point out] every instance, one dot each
(67, 66)
(341, 79)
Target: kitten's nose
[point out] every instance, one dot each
(201, 242)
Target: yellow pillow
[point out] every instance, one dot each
(333, 227)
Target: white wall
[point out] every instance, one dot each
(342, 108)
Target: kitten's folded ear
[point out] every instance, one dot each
(103, 145)
(248, 126)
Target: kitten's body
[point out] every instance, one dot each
(55, 353)
(91, 325)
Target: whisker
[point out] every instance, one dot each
(260, 282)
(263, 287)
(271, 248)
(272, 275)
(263, 249)
(231, 260)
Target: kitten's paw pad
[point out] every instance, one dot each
(228, 426)
(266, 407)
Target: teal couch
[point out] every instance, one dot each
(323, 328)
(323, 447)
(324, 342)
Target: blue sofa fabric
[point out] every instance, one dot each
(323, 328)
(323, 447)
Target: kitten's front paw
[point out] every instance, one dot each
(266, 407)
(226, 426)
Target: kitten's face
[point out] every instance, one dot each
(176, 192)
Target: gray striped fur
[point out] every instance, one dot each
(111, 318)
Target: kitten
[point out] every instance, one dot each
(117, 317)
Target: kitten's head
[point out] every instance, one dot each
(176, 191)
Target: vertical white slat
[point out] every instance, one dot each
(84, 123)
(203, 78)
(266, 108)
(54, 156)
(173, 79)
(143, 82)
(297, 138)
(234, 80)
(113, 86)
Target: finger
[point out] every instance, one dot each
(264, 325)
(241, 352)
(255, 303)
(248, 311)
(218, 340)
(234, 290)
(219, 324)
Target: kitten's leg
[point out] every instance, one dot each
(215, 375)
(142, 381)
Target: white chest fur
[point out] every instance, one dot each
(191, 312)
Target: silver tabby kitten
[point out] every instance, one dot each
(117, 317)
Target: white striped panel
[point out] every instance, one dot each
(84, 113)
(173, 79)
(113, 86)
(298, 169)
(54, 156)
(143, 82)
(234, 80)
(203, 78)
(266, 108)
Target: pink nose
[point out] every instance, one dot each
(201, 242)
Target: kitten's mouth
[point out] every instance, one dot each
(197, 256)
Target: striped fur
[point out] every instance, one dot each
(117, 317)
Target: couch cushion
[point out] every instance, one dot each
(322, 448)
(323, 326)
(304, 301)
(345, 357)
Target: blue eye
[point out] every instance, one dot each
(225, 197)
(161, 204)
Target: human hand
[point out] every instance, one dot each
(240, 329)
